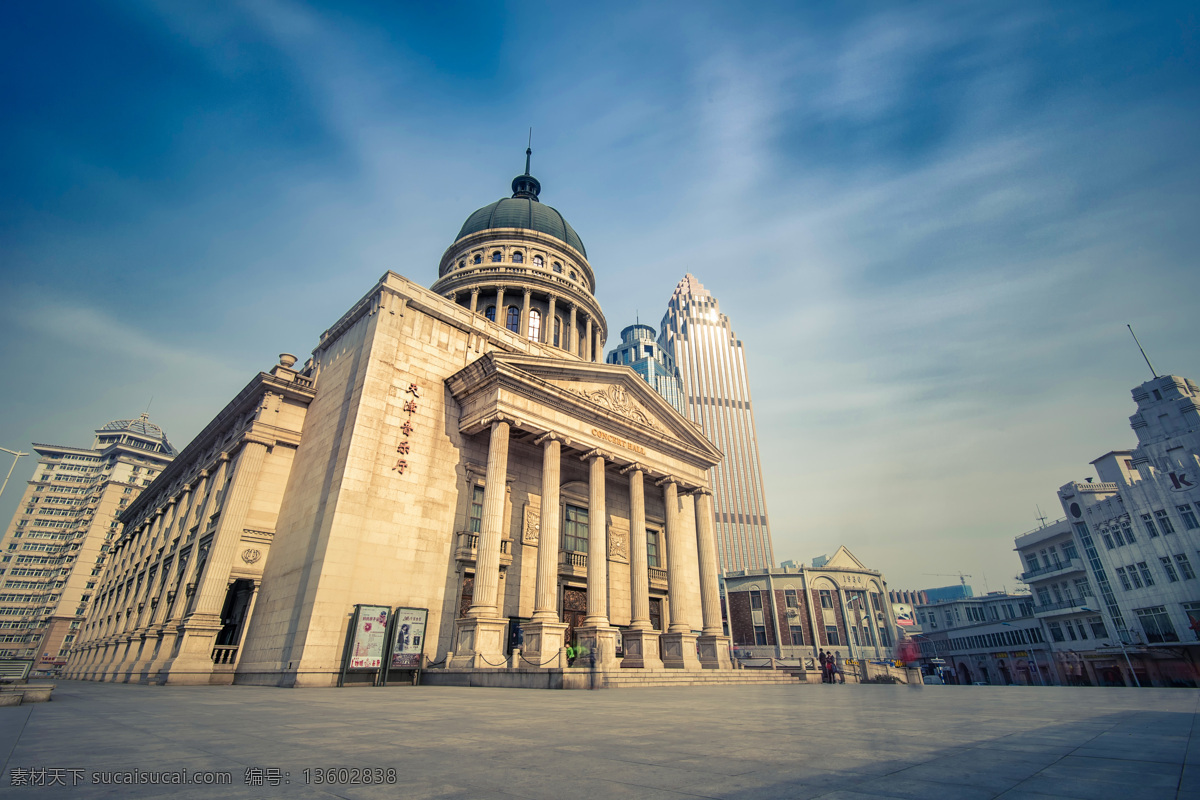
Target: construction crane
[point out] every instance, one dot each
(962, 576)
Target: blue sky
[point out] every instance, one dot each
(928, 222)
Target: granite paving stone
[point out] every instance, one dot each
(723, 742)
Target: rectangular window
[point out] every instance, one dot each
(1069, 551)
(797, 635)
(1145, 570)
(1083, 587)
(1043, 596)
(1164, 522)
(854, 635)
(1116, 533)
(826, 598)
(831, 633)
(1097, 626)
(1124, 580)
(756, 601)
(1185, 567)
(575, 530)
(792, 599)
(1108, 541)
(760, 635)
(1169, 568)
(1128, 531)
(1032, 561)
(1133, 577)
(1157, 624)
(1071, 631)
(1193, 614)
(652, 549)
(475, 524)
(1148, 524)
(1189, 518)
(1056, 631)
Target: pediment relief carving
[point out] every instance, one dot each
(614, 398)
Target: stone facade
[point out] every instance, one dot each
(430, 457)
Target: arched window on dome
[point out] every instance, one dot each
(535, 325)
(479, 258)
(490, 313)
(497, 257)
(538, 261)
(514, 319)
(518, 257)
(557, 330)
(574, 277)
(557, 267)
(462, 264)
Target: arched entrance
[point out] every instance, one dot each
(964, 674)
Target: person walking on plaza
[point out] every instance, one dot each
(823, 660)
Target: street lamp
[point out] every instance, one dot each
(16, 455)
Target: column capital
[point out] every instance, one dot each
(512, 421)
(699, 491)
(668, 479)
(597, 453)
(475, 290)
(632, 467)
(552, 436)
(528, 291)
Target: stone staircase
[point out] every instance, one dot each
(631, 679)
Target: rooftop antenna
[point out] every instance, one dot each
(529, 150)
(1139, 344)
(147, 411)
(1040, 515)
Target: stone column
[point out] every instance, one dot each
(678, 643)
(548, 334)
(641, 641)
(599, 357)
(569, 343)
(525, 315)
(199, 630)
(714, 645)
(474, 299)
(481, 632)
(501, 317)
(544, 633)
(587, 340)
(596, 633)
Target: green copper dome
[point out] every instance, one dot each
(523, 210)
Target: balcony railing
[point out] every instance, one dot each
(1062, 605)
(467, 547)
(1071, 565)
(225, 654)
(658, 575)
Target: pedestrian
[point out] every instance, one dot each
(837, 669)
(824, 662)
(571, 652)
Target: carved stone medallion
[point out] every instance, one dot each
(531, 531)
(618, 544)
(251, 555)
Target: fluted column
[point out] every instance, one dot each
(706, 549)
(569, 342)
(587, 339)
(599, 356)
(525, 315)
(474, 299)
(487, 559)
(597, 589)
(548, 328)
(639, 571)
(674, 557)
(545, 606)
(501, 318)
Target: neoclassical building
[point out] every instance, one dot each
(461, 449)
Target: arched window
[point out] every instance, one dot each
(557, 330)
(535, 325)
(518, 257)
(462, 264)
(479, 258)
(496, 256)
(557, 267)
(514, 319)
(490, 313)
(538, 262)
(574, 276)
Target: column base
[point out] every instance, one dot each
(641, 650)
(679, 651)
(601, 640)
(480, 644)
(543, 640)
(714, 652)
(193, 663)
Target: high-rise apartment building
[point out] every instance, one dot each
(716, 394)
(52, 555)
(639, 351)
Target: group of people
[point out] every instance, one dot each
(831, 667)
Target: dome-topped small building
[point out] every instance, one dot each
(520, 264)
(140, 433)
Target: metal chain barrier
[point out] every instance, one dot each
(503, 663)
(549, 661)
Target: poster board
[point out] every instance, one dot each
(367, 639)
(408, 638)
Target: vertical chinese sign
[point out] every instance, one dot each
(410, 408)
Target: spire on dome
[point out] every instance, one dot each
(526, 185)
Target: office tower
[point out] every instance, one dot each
(639, 351)
(716, 394)
(53, 552)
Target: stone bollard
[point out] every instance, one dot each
(514, 661)
(562, 657)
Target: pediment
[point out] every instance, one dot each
(612, 397)
(844, 559)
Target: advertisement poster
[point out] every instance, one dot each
(409, 641)
(370, 637)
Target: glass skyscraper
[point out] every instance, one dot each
(716, 394)
(639, 350)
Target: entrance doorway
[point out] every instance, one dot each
(574, 603)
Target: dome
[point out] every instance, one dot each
(523, 210)
(142, 426)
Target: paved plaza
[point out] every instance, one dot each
(832, 742)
